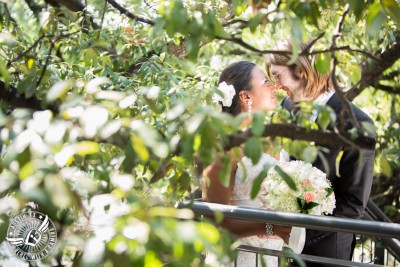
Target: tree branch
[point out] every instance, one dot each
(102, 16)
(45, 64)
(9, 15)
(249, 47)
(35, 44)
(26, 51)
(234, 21)
(389, 89)
(346, 106)
(391, 75)
(311, 44)
(129, 14)
(298, 133)
(302, 53)
(278, 130)
(11, 97)
(372, 70)
(73, 5)
(36, 8)
(343, 48)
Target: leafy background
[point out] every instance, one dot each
(107, 116)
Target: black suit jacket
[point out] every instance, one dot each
(353, 179)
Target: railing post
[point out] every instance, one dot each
(379, 253)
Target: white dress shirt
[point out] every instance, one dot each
(321, 100)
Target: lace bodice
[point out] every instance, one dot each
(246, 173)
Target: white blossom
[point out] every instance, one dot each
(228, 92)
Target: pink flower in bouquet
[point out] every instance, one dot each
(309, 196)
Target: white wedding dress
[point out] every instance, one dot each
(244, 178)
(245, 175)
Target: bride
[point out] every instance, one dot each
(245, 88)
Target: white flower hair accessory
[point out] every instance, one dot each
(228, 92)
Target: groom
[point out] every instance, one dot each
(352, 178)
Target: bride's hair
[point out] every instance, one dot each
(237, 74)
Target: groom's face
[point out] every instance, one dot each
(285, 81)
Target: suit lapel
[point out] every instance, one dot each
(334, 103)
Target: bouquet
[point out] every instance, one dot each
(313, 194)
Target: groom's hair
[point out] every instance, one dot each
(302, 69)
(238, 75)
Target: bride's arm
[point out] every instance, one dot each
(215, 192)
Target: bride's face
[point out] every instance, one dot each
(263, 92)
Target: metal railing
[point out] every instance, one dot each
(378, 250)
(387, 230)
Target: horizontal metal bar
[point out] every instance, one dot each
(306, 258)
(326, 223)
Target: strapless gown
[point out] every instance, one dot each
(245, 175)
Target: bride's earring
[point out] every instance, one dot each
(249, 107)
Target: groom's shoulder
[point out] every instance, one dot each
(360, 114)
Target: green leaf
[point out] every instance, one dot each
(58, 191)
(325, 163)
(218, 216)
(385, 166)
(257, 127)
(324, 119)
(4, 73)
(151, 259)
(209, 232)
(217, 28)
(299, 261)
(58, 90)
(392, 8)
(310, 154)
(26, 86)
(225, 174)
(255, 21)
(323, 63)
(4, 223)
(355, 72)
(313, 15)
(369, 128)
(253, 149)
(375, 19)
(258, 181)
(329, 191)
(90, 56)
(239, 6)
(86, 148)
(357, 7)
(337, 162)
(27, 170)
(140, 148)
(288, 180)
(193, 46)
(305, 206)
